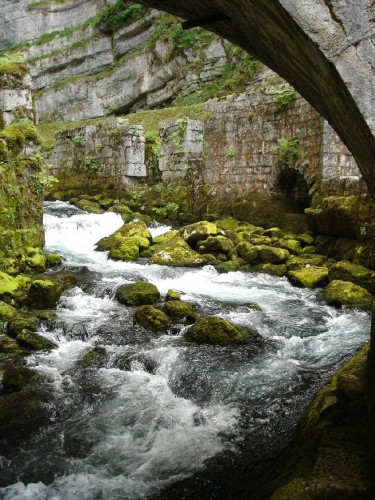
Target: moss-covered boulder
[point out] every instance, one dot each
(248, 252)
(125, 212)
(302, 261)
(22, 321)
(177, 309)
(214, 330)
(16, 377)
(43, 294)
(6, 311)
(172, 295)
(152, 318)
(292, 245)
(136, 294)
(309, 277)
(359, 275)
(136, 229)
(214, 244)
(90, 206)
(227, 224)
(94, 357)
(34, 341)
(272, 255)
(53, 260)
(343, 293)
(230, 266)
(198, 231)
(126, 249)
(177, 253)
(306, 239)
(271, 269)
(11, 289)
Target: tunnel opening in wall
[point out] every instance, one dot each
(291, 187)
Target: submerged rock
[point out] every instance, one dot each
(94, 357)
(214, 330)
(16, 377)
(152, 318)
(343, 293)
(135, 294)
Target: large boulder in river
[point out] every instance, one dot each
(214, 330)
(359, 275)
(343, 293)
(152, 318)
(34, 341)
(43, 294)
(177, 309)
(198, 231)
(136, 294)
(177, 253)
(136, 230)
(217, 244)
(309, 277)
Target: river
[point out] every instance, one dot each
(158, 412)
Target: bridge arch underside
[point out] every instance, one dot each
(323, 48)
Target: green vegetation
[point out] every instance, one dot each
(18, 134)
(289, 149)
(118, 15)
(230, 153)
(13, 64)
(42, 3)
(285, 96)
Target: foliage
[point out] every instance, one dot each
(13, 64)
(152, 140)
(91, 163)
(79, 139)
(230, 153)
(119, 14)
(289, 149)
(167, 209)
(18, 134)
(285, 97)
(171, 188)
(42, 3)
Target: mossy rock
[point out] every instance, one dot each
(214, 330)
(152, 318)
(34, 341)
(10, 346)
(53, 260)
(125, 249)
(22, 321)
(91, 207)
(43, 294)
(35, 260)
(273, 232)
(230, 266)
(105, 203)
(172, 295)
(177, 253)
(125, 212)
(227, 224)
(309, 250)
(136, 294)
(272, 255)
(306, 239)
(300, 262)
(6, 311)
(279, 270)
(165, 237)
(293, 246)
(16, 378)
(197, 232)
(94, 357)
(309, 277)
(10, 288)
(136, 230)
(177, 309)
(67, 280)
(359, 275)
(214, 244)
(343, 293)
(248, 252)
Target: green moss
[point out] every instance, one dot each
(91, 207)
(271, 255)
(22, 321)
(309, 277)
(125, 249)
(342, 293)
(119, 14)
(172, 295)
(139, 293)
(43, 294)
(16, 378)
(359, 275)
(271, 269)
(177, 253)
(219, 244)
(6, 311)
(177, 309)
(214, 330)
(18, 134)
(94, 357)
(34, 341)
(53, 260)
(42, 3)
(198, 231)
(285, 96)
(152, 318)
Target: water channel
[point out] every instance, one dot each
(158, 411)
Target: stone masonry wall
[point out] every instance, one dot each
(108, 155)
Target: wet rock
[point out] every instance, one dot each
(88, 206)
(136, 229)
(359, 275)
(172, 295)
(43, 294)
(6, 311)
(177, 309)
(271, 269)
(309, 277)
(67, 280)
(140, 293)
(302, 261)
(34, 341)
(10, 346)
(152, 318)
(125, 249)
(12, 290)
(197, 232)
(272, 255)
(53, 260)
(94, 357)
(177, 253)
(230, 266)
(293, 246)
(219, 244)
(22, 321)
(214, 330)
(16, 378)
(343, 293)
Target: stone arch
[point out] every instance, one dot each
(291, 186)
